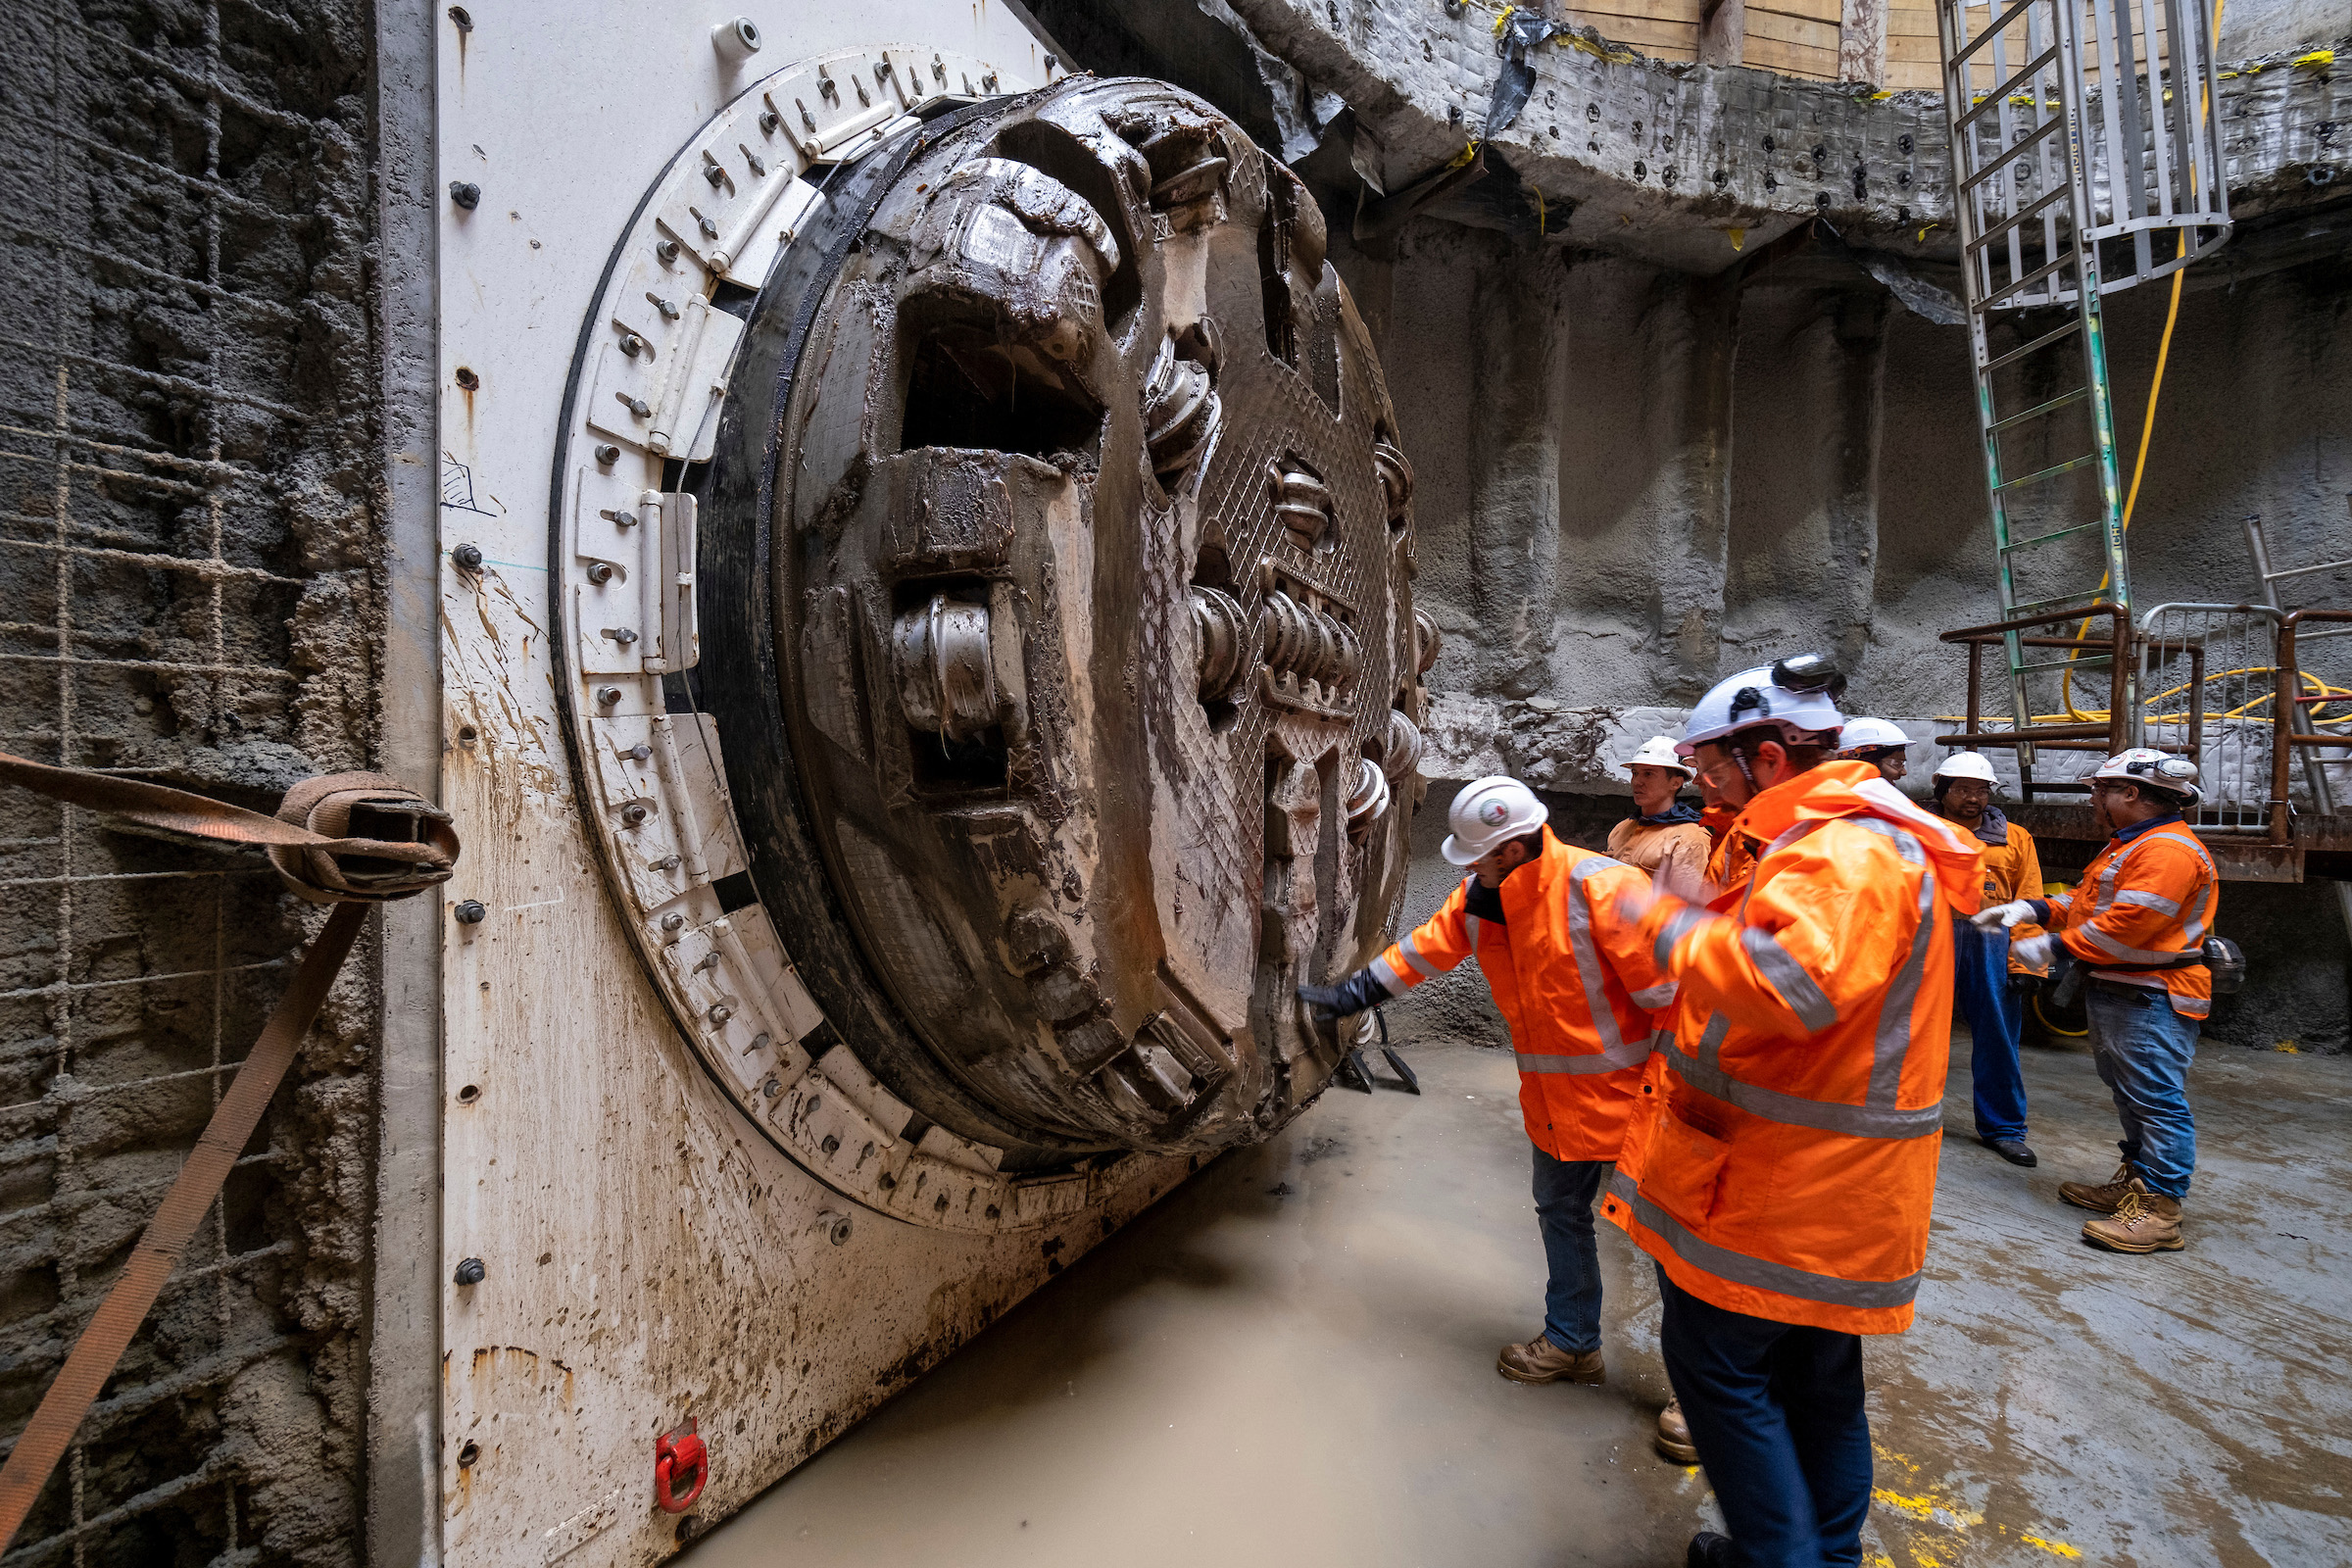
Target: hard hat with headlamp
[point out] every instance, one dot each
(1487, 813)
(1798, 695)
(2150, 768)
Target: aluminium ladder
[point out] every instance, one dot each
(2061, 194)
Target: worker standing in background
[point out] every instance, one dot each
(1577, 990)
(1664, 837)
(2138, 920)
(1783, 1169)
(1991, 975)
(1881, 744)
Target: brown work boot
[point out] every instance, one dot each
(1539, 1360)
(1674, 1435)
(2144, 1223)
(2107, 1197)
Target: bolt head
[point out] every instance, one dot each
(666, 249)
(469, 1271)
(469, 911)
(600, 573)
(607, 696)
(468, 557)
(466, 194)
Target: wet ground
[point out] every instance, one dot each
(1290, 1361)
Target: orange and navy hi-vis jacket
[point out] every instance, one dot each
(2144, 899)
(1573, 980)
(1784, 1161)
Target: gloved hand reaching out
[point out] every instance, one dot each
(2034, 952)
(2001, 916)
(1359, 991)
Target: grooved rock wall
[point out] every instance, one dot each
(188, 592)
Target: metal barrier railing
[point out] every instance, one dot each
(2296, 726)
(2206, 673)
(2087, 653)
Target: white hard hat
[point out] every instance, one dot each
(1797, 694)
(1966, 765)
(1658, 751)
(2153, 769)
(1869, 734)
(1487, 813)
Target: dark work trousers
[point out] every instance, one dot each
(1996, 1021)
(1564, 1194)
(1776, 1414)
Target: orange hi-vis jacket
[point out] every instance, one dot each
(2146, 899)
(1784, 1162)
(1574, 981)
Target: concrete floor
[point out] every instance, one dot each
(1290, 1362)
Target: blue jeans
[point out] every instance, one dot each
(1776, 1414)
(1981, 986)
(2144, 1049)
(1564, 1194)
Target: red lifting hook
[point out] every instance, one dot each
(681, 1464)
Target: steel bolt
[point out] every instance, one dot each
(838, 1232)
(638, 752)
(469, 1271)
(631, 344)
(771, 1089)
(469, 911)
(720, 1013)
(668, 862)
(607, 696)
(466, 194)
(830, 1145)
(624, 635)
(769, 119)
(468, 557)
(672, 920)
(666, 249)
(600, 573)
(633, 813)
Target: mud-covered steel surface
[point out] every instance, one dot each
(191, 527)
(1092, 599)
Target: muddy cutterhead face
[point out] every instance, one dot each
(1091, 551)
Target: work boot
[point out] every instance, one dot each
(1674, 1435)
(1539, 1360)
(2144, 1222)
(2012, 1150)
(2104, 1199)
(1709, 1551)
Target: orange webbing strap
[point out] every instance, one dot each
(308, 842)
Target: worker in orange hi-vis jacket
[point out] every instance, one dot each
(1578, 991)
(2138, 921)
(1663, 837)
(1782, 1164)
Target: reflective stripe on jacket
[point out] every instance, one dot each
(1574, 980)
(2145, 899)
(1784, 1164)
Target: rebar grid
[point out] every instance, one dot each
(149, 591)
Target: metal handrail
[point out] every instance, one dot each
(2113, 650)
(2289, 702)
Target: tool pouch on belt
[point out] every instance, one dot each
(2222, 956)
(350, 840)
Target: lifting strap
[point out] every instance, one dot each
(347, 839)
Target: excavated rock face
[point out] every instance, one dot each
(1093, 618)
